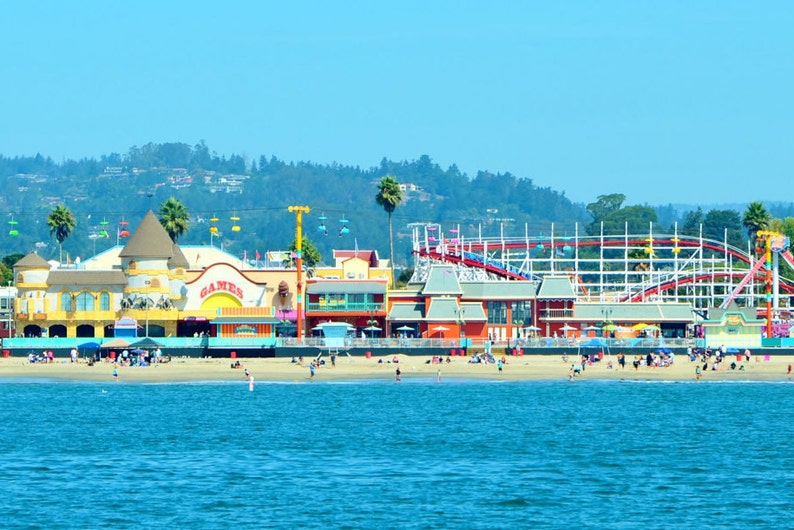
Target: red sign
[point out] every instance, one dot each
(221, 285)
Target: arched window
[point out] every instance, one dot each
(85, 302)
(104, 301)
(155, 283)
(66, 301)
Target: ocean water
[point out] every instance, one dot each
(377, 454)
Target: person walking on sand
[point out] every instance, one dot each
(697, 373)
(311, 371)
(397, 374)
(438, 375)
(499, 365)
(115, 375)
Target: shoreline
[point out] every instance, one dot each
(526, 368)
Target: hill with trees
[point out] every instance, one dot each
(246, 201)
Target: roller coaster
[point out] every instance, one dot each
(652, 267)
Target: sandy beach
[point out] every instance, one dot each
(534, 367)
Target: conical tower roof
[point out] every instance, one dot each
(178, 259)
(150, 240)
(32, 261)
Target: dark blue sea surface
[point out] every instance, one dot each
(419, 454)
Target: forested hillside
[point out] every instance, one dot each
(103, 192)
(121, 188)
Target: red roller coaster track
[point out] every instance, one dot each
(681, 242)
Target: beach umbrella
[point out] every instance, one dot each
(611, 327)
(440, 328)
(532, 328)
(372, 330)
(405, 328)
(89, 346)
(567, 327)
(591, 328)
(639, 326)
(146, 343)
(116, 343)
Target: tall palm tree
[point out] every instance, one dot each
(756, 218)
(389, 197)
(174, 217)
(61, 222)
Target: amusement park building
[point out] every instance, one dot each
(169, 291)
(445, 306)
(166, 290)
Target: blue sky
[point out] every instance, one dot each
(667, 101)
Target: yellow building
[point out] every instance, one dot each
(164, 290)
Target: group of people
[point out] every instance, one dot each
(142, 357)
(43, 357)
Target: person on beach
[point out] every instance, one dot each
(438, 375)
(499, 365)
(311, 371)
(247, 373)
(397, 374)
(697, 373)
(333, 360)
(115, 375)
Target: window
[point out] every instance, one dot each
(104, 301)
(85, 302)
(66, 301)
(497, 312)
(522, 313)
(357, 298)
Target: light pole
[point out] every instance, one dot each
(299, 211)
(461, 311)
(606, 312)
(148, 283)
(10, 308)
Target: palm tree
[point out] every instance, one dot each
(174, 217)
(61, 222)
(389, 197)
(756, 218)
(310, 256)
